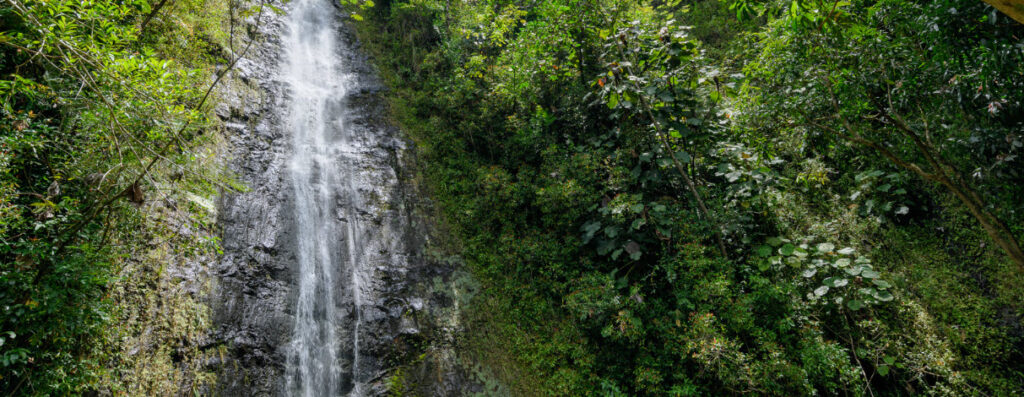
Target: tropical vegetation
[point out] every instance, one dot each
(659, 197)
(712, 198)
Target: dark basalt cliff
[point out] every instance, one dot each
(409, 318)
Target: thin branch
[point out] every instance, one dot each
(156, 9)
(66, 237)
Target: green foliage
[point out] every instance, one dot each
(99, 117)
(852, 281)
(572, 144)
(881, 195)
(788, 206)
(358, 4)
(916, 85)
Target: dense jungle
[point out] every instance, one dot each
(557, 198)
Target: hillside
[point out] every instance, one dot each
(511, 197)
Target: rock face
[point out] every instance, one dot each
(401, 310)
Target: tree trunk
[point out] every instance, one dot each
(947, 175)
(1013, 8)
(995, 229)
(943, 173)
(152, 14)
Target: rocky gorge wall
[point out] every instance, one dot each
(409, 304)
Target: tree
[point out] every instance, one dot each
(1013, 8)
(884, 75)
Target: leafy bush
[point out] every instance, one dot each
(104, 107)
(648, 220)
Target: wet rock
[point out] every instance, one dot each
(405, 317)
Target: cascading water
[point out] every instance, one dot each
(324, 157)
(324, 269)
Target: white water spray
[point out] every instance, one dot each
(321, 173)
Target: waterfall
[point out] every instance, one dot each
(323, 358)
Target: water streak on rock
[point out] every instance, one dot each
(324, 288)
(320, 172)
